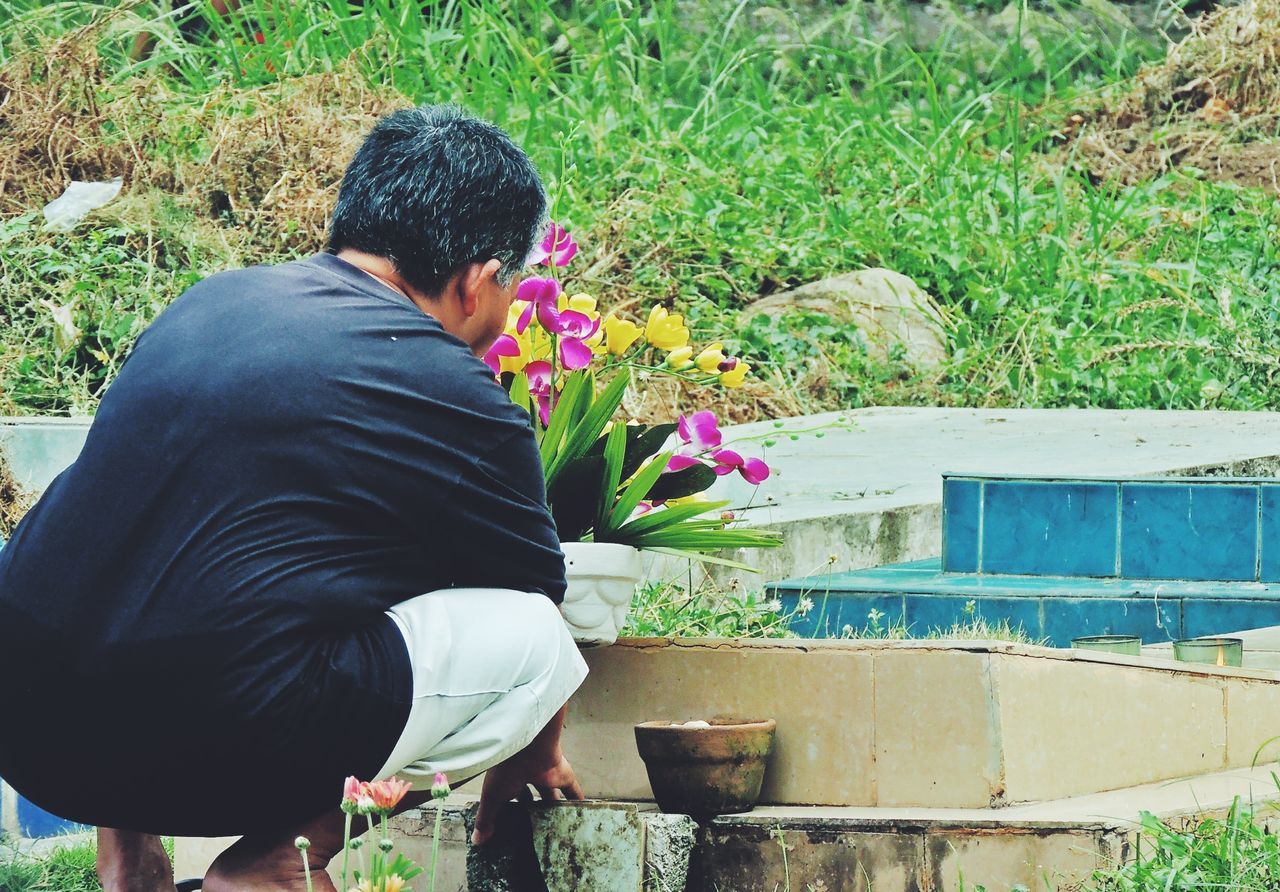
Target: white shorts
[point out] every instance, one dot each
(490, 668)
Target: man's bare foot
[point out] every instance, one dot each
(248, 867)
(132, 862)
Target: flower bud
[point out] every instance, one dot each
(440, 786)
(302, 843)
(681, 358)
(386, 845)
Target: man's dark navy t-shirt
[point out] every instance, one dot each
(192, 626)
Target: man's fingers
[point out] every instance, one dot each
(484, 824)
(574, 789)
(525, 795)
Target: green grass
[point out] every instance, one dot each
(666, 609)
(710, 153)
(66, 869)
(1236, 852)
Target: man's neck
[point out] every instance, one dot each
(379, 268)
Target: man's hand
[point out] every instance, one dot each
(541, 765)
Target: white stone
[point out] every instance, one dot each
(889, 308)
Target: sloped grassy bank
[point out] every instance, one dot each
(710, 155)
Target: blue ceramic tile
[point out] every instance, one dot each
(37, 823)
(1042, 528)
(961, 508)
(1189, 531)
(831, 612)
(1218, 616)
(1151, 620)
(925, 613)
(1019, 612)
(1270, 562)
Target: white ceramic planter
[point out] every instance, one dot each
(602, 580)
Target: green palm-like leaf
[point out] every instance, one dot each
(634, 493)
(591, 421)
(615, 450)
(562, 413)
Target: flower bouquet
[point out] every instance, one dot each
(628, 485)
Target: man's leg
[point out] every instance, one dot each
(492, 671)
(133, 862)
(272, 863)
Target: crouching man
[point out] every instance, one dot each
(306, 538)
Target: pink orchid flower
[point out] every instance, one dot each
(698, 433)
(701, 439)
(542, 295)
(505, 345)
(571, 329)
(557, 247)
(539, 374)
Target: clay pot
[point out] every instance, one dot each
(706, 771)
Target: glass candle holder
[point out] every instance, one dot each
(1210, 651)
(1129, 645)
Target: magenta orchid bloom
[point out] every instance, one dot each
(753, 470)
(505, 345)
(543, 295)
(700, 434)
(571, 328)
(539, 374)
(557, 247)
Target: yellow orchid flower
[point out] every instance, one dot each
(664, 331)
(583, 303)
(709, 360)
(736, 375)
(620, 334)
(681, 358)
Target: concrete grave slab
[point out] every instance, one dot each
(871, 494)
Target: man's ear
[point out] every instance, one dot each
(475, 279)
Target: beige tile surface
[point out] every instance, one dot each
(958, 860)
(1073, 726)
(937, 733)
(822, 701)
(1253, 722)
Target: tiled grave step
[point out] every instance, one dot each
(922, 597)
(1202, 528)
(612, 846)
(21, 819)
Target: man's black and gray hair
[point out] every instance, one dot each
(433, 189)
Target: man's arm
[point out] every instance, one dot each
(541, 765)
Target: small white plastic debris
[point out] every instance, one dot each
(64, 212)
(66, 334)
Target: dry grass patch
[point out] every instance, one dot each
(1212, 104)
(266, 161)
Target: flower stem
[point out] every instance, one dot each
(435, 842)
(346, 852)
(306, 870)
